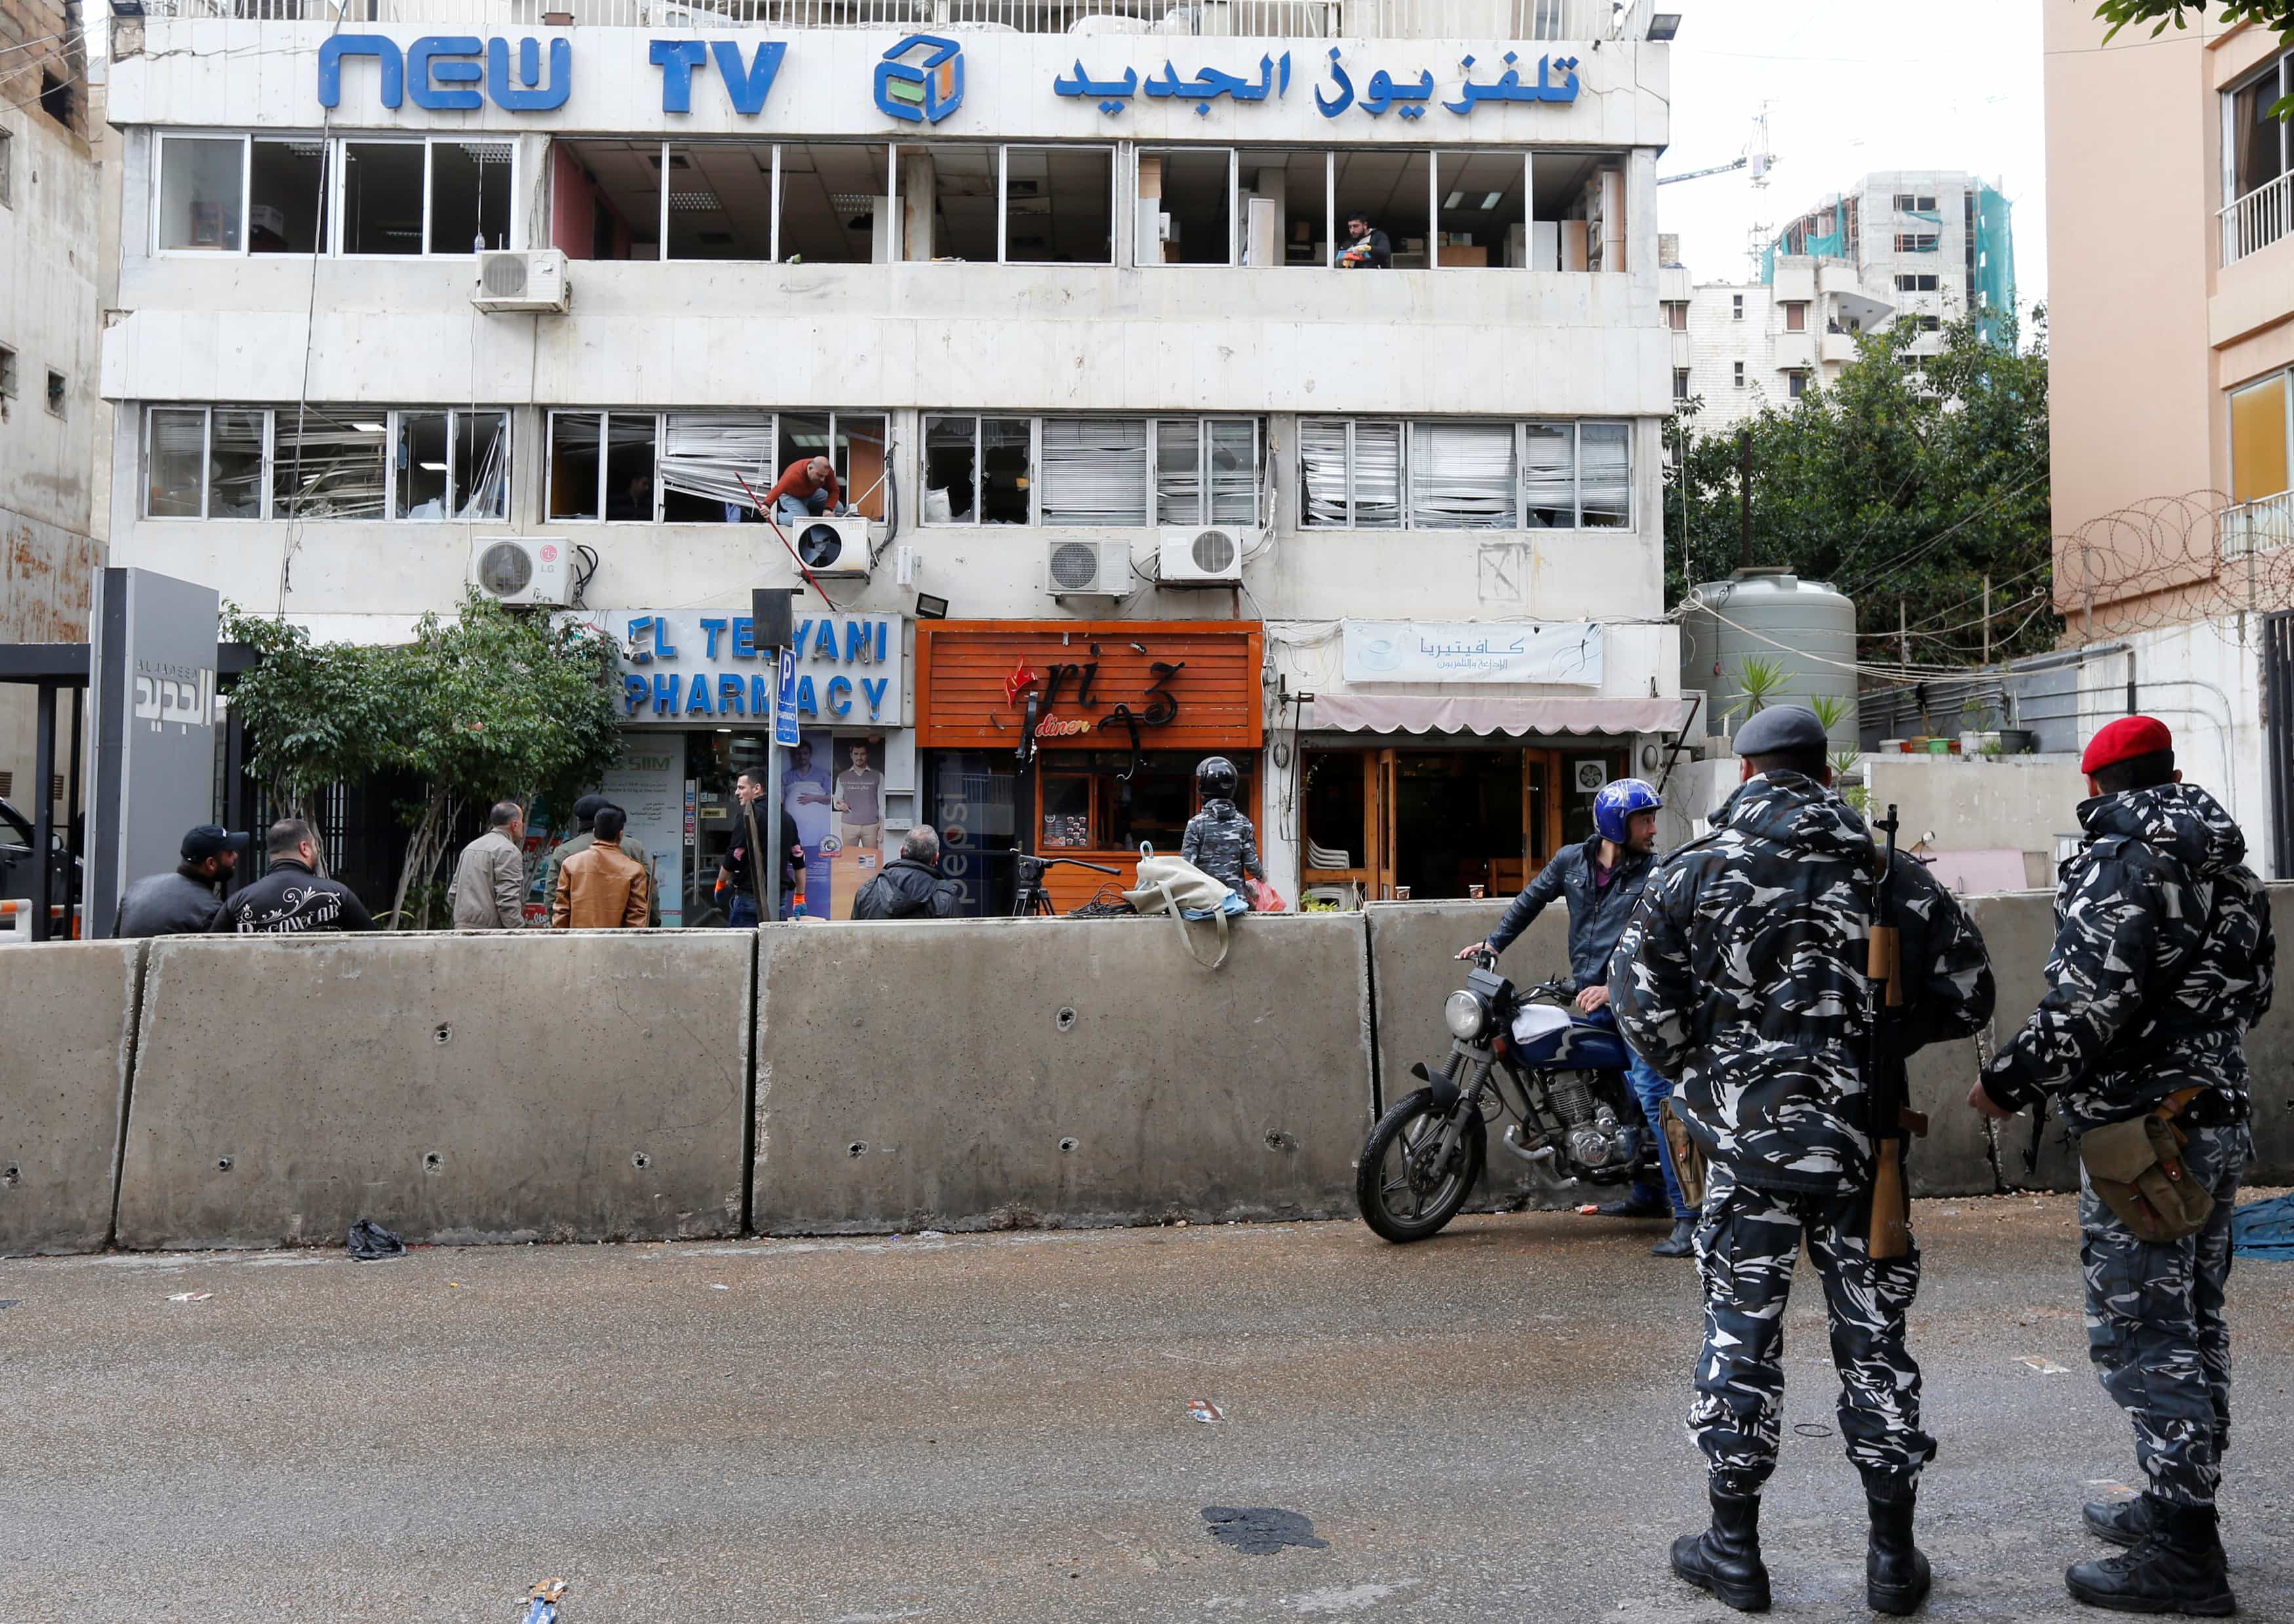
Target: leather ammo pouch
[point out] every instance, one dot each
(1687, 1155)
(2136, 1167)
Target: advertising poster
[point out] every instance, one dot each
(649, 785)
(833, 788)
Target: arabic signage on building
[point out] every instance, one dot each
(692, 667)
(920, 79)
(1545, 652)
(1085, 684)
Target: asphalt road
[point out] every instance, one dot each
(997, 1427)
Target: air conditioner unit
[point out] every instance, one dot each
(1205, 555)
(533, 279)
(831, 549)
(521, 568)
(1087, 569)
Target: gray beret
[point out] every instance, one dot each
(1781, 727)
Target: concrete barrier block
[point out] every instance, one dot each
(67, 1048)
(1414, 969)
(2270, 1058)
(1061, 1072)
(2018, 931)
(455, 1088)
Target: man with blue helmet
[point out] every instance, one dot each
(1602, 878)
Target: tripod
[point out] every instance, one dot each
(1028, 896)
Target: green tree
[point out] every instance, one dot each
(1906, 481)
(494, 705)
(315, 714)
(2276, 15)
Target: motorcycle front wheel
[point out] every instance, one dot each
(1406, 1188)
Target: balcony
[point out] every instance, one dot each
(1555, 20)
(2258, 219)
(2257, 526)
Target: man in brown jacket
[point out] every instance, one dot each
(490, 880)
(601, 888)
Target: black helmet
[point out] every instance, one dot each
(1216, 777)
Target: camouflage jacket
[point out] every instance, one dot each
(2163, 959)
(1741, 977)
(1221, 842)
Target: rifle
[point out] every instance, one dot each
(1886, 1084)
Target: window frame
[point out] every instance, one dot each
(394, 429)
(332, 158)
(1406, 475)
(2282, 70)
(1680, 383)
(2282, 380)
(979, 466)
(392, 425)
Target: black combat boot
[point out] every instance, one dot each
(1726, 1558)
(2177, 1567)
(1895, 1573)
(1681, 1243)
(2121, 1522)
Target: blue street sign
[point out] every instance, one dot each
(785, 703)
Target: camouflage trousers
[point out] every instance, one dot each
(1747, 1243)
(2155, 1328)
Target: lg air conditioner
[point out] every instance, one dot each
(1087, 569)
(533, 279)
(831, 549)
(521, 569)
(1205, 554)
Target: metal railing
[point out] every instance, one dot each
(1556, 20)
(2257, 526)
(2258, 219)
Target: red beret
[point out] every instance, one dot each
(2124, 740)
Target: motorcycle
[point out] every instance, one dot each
(1559, 1076)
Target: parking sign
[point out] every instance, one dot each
(785, 702)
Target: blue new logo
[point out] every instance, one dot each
(921, 92)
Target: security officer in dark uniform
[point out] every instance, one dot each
(2162, 962)
(1742, 976)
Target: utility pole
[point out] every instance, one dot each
(1744, 498)
(1987, 619)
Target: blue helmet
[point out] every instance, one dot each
(1618, 801)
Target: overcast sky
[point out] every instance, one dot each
(1851, 87)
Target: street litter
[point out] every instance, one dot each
(2044, 1367)
(2264, 1229)
(191, 1296)
(371, 1243)
(11, 1301)
(1591, 1209)
(713, 1285)
(1811, 1429)
(1205, 1411)
(931, 1234)
(542, 1602)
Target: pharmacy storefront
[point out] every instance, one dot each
(696, 702)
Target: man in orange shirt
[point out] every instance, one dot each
(805, 490)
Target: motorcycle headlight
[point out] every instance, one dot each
(1467, 1014)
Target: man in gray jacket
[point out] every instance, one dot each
(490, 879)
(183, 903)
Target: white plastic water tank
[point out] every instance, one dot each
(1765, 614)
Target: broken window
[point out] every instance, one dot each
(977, 470)
(328, 463)
(1462, 476)
(721, 201)
(605, 199)
(469, 195)
(175, 462)
(1289, 193)
(235, 483)
(835, 203)
(1483, 218)
(711, 463)
(452, 465)
(382, 196)
(964, 182)
(1058, 205)
(1095, 472)
(1577, 211)
(1207, 471)
(1550, 475)
(1350, 473)
(1465, 476)
(202, 188)
(1187, 207)
(601, 465)
(287, 197)
(1390, 190)
(1605, 475)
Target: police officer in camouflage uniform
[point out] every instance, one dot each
(2163, 960)
(1219, 838)
(1742, 977)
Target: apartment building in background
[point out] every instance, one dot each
(2172, 394)
(48, 400)
(1143, 471)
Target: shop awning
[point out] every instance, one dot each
(1427, 713)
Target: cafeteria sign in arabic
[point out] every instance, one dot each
(1407, 97)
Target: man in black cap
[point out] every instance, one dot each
(1743, 977)
(585, 819)
(183, 903)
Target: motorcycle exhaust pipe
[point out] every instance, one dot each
(1512, 1140)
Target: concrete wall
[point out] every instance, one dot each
(2018, 803)
(66, 1046)
(1063, 1072)
(453, 1088)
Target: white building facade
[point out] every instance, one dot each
(1060, 298)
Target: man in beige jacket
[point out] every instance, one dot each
(490, 879)
(601, 888)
